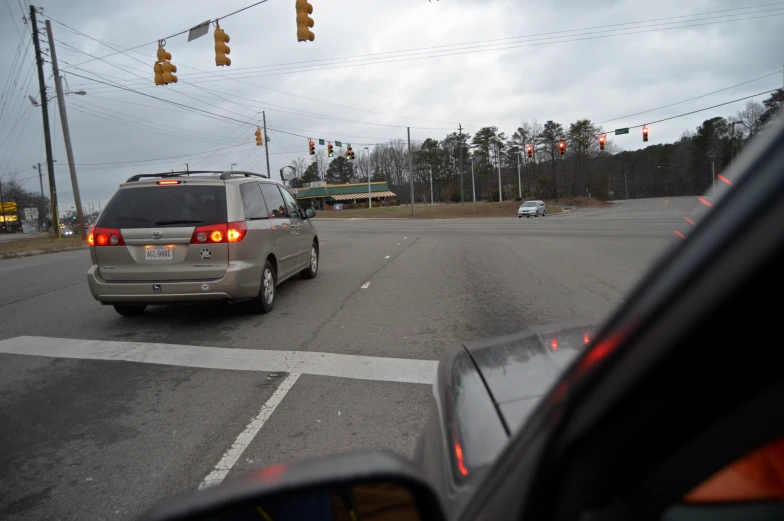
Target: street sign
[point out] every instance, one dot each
(620, 131)
(198, 31)
(8, 207)
(338, 144)
(321, 141)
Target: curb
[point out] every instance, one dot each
(33, 253)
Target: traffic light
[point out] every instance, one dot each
(259, 141)
(562, 147)
(312, 146)
(329, 150)
(530, 150)
(602, 139)
(221, 49)
(349, 153)
(304, 21)
(645, 133)
(163, 68)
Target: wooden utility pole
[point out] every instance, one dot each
(58, 85)
(460, 129)
(45, 113)
(411, 171)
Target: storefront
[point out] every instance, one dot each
(323, 196)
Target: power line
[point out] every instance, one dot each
(690, 99)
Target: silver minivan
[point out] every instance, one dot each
(532, 209)
(199, 237)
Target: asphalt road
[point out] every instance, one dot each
(103, 416)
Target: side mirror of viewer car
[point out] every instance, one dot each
(366, 486)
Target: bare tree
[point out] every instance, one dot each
(749, 117)
(299, 165)
(323, 163)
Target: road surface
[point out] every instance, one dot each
(103, 416)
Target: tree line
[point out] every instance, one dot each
(684, 167)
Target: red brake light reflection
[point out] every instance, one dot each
(460, 464)
(722, 178)
(586, 339)
(679, 234)
(554, 344)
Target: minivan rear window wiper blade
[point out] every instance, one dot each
(179, 221)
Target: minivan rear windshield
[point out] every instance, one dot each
(156, 206)
(528, 204)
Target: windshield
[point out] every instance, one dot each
(156, 206)
(355, 205)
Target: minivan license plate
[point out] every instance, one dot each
(159, 253)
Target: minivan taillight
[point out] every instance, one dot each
(216, 233)
(106, 237)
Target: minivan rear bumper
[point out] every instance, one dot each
(240, 282)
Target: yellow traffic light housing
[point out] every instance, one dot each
(602, 140)
(259, 141)
(329, 150)
(164, 69)
(221, 49)
(349, 153)
(530, 150)
(312, 147)
(562, 147)
(304, 21)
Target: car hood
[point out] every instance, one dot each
(519, 369)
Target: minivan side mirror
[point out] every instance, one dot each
(362, 485)
(310, 213)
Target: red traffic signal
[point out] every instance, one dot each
(645, 133)
(602, 139)
(312, 148)
(562, 147)
(530, 150)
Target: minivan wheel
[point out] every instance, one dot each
(265, 300)
(129, 310)
(312, 270)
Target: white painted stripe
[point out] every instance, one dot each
(305, 362)
(234, 452)
(398, 244)
(386, 257)
(366, 285)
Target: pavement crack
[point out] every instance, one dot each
(316, 332)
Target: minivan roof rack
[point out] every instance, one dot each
(223, 175)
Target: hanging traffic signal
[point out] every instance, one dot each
(530, 150)
(349, 153)
(645, 133)
(329, 150)
(304, 21)
(221, 49)
(259, 141)
(562, 147)
(602, 139)
(163, 68)
(312, 147)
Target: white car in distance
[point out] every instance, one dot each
(532, 209)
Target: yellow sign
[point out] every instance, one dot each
(8, 207)
(7, 218)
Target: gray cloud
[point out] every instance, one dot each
(598, 78)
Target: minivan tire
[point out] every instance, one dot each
(129, 310)
(312, 270)
(265, 300)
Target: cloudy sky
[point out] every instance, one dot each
(375, 68)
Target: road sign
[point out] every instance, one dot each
(198, 31)
(338, 144)
(8, 207)
(321, 141)
(620, 131)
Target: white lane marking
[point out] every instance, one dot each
(234, 452)
(386, 257)
(305, 362)
(405, 238)
(398, 244)
(366, 285)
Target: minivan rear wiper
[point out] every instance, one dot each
(179, 221)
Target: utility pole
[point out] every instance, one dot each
(41, 182)
(460, 129)
(625, 180)
(411, 171)
(519, 179)
(45, 113)
(266, 142)
(2, 207)
(473, 184)
(498, 155)
(431, 184)
(58, 85)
